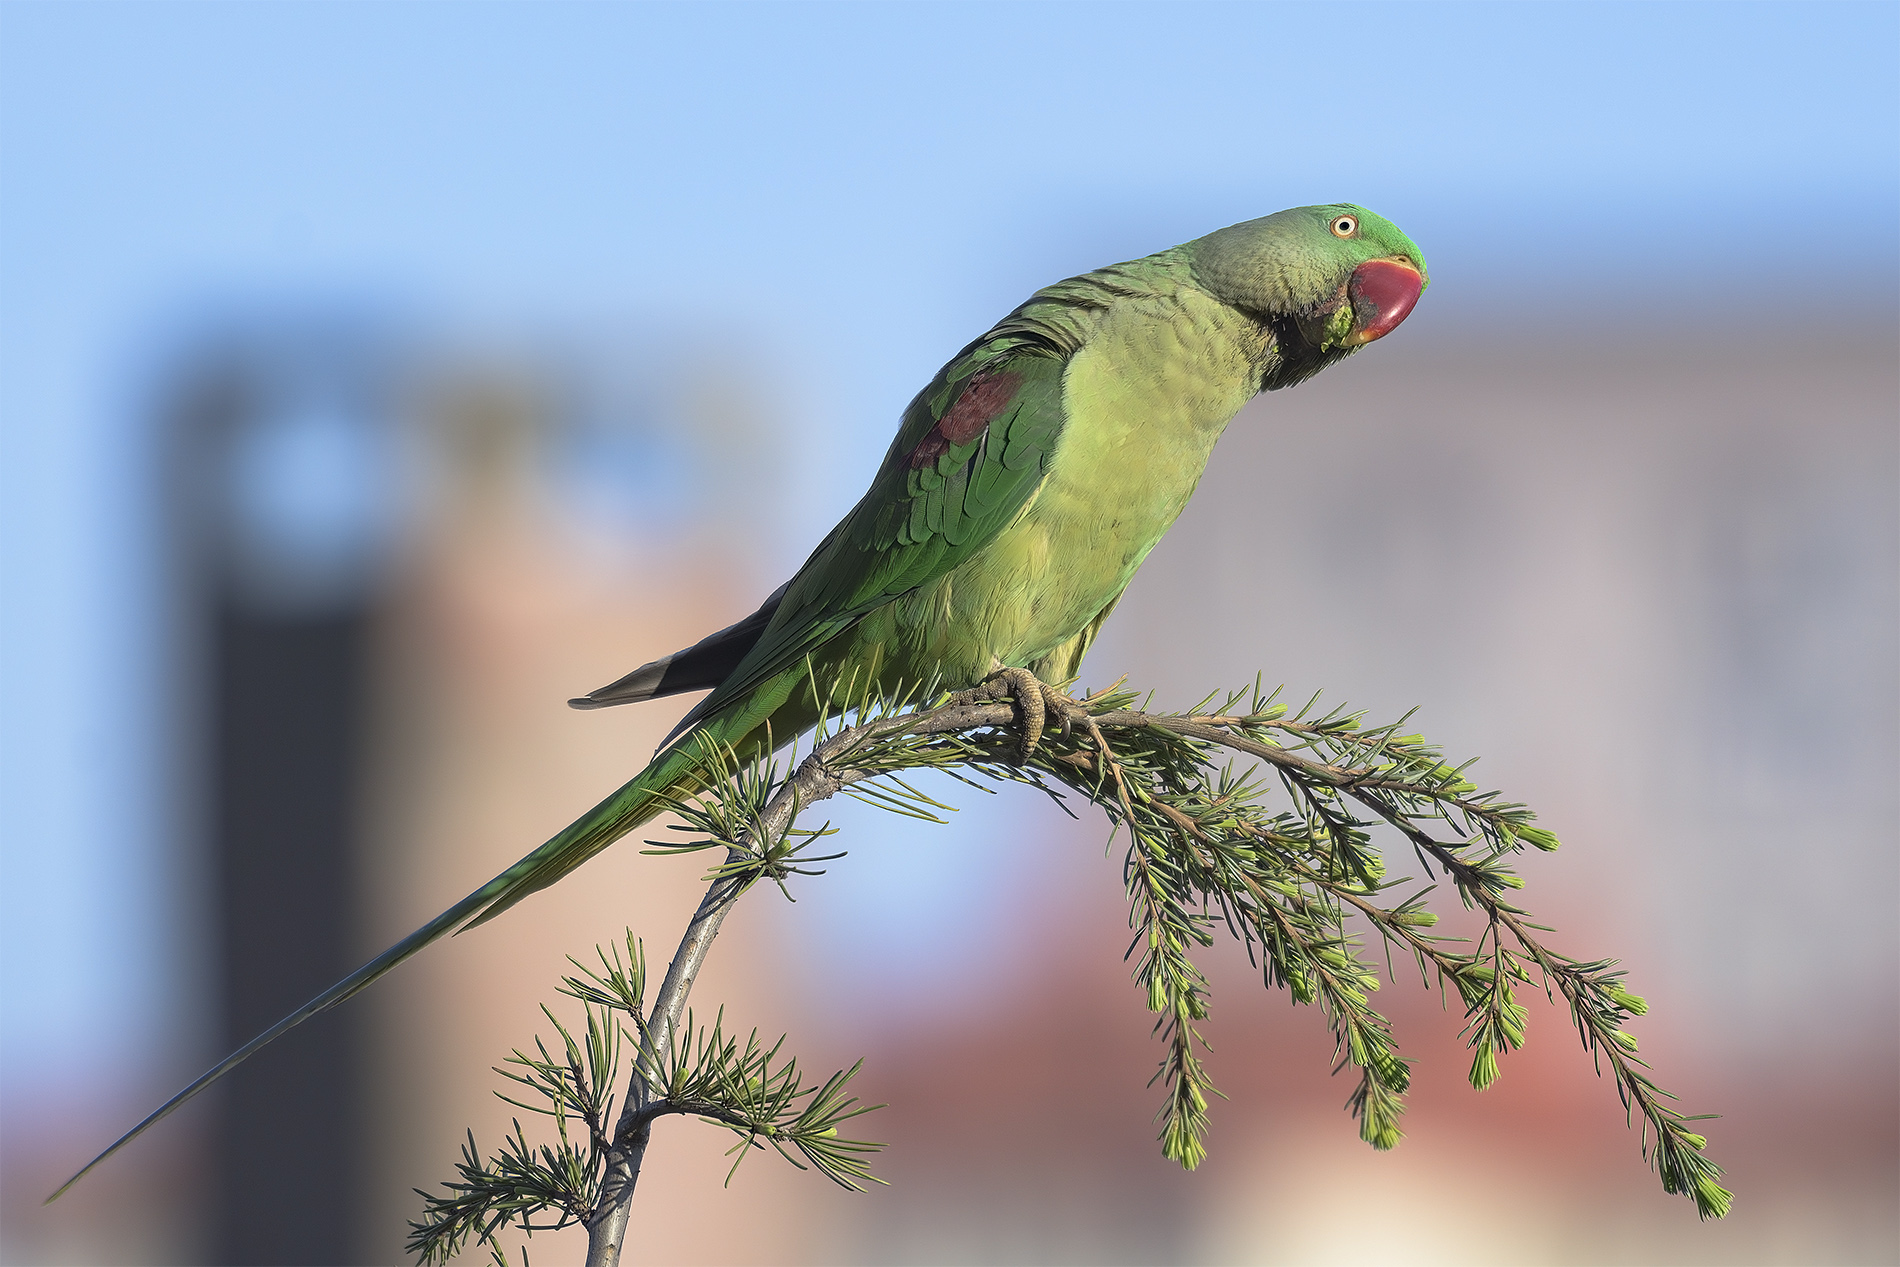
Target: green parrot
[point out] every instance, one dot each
(1026, 484)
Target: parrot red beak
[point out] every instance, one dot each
(1383, 293)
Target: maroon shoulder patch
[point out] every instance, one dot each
(982, 399)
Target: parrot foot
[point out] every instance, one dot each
(1036, 701)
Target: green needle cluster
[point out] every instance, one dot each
(747, 1088)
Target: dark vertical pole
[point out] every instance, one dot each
(270, 489)
(289, 719)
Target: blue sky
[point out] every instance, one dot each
(855, 188)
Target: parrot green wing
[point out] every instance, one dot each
(973, 448)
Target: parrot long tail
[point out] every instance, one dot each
(676, 772)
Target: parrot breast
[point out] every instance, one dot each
(1144, 401)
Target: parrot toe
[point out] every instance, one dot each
(1036, 702)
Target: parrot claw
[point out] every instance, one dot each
(1036, 700)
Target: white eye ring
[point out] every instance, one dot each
(1345, 226)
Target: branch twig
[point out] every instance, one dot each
(814, 781)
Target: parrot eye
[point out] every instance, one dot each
(1345, 226)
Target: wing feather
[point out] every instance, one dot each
(926, 511)
(705, 664)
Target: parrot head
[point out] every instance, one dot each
(1335, 277)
